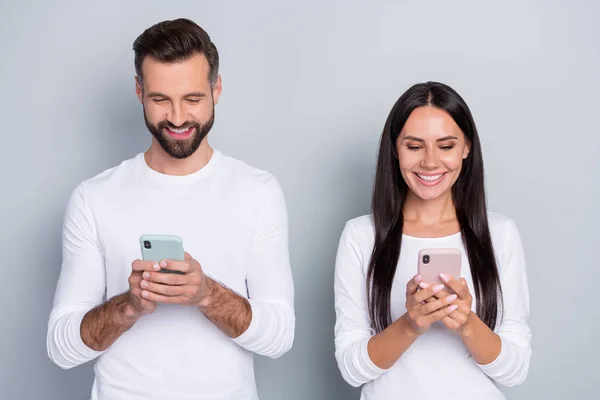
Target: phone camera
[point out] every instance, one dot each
(426, 259)
(147, 244)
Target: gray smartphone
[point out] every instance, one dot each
(162, 247)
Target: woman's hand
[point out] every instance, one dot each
(459, 320)
(420, 314)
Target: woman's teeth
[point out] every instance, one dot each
(430, 178)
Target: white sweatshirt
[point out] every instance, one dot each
(233, 220)
(437, 365)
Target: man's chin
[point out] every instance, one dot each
(179, 152)
(179, 148)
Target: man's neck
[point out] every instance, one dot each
(160, 161)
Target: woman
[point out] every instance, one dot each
(402, 337)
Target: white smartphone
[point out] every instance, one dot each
(435, 261)
(162, 247)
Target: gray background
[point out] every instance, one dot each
(307, 88)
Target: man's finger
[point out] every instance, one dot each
(167, 279)
(159, 288)
(142, 265)
(176, 265)
(135, 278)
(159, 298)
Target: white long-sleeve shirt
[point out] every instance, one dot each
(233, 220)
(437, 365)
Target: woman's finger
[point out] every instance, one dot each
(413, 285)
(439, 314)
(437, 304)
(450, 323)
(427, 292)
(459, 287)
(440, 295)
(458, 316)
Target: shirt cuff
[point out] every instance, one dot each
(252, 334)
(74, 338)
(499, 365)
(364, 363)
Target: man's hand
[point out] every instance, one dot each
(189, 288)
(140, 305)
(104, 324)
(230, 312)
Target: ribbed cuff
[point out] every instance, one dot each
(365, 366)
(500, 364)
(78, 347)
(252, 335)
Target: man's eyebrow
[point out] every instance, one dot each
(192, 94)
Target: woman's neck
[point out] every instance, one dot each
(429, 212)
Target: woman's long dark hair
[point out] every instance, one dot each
(468, 195)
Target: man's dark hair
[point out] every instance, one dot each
(173, 41)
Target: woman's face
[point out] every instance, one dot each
(431, 149)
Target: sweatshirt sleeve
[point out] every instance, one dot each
(511, 366)
(81, 285)
(352, 327)
(269, 281)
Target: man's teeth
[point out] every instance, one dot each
(179, 131)
(430, 178)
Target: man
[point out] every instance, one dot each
(164, 335)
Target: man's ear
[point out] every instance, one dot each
(139, 90)
(217, 89)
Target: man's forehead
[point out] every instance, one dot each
(194, 68)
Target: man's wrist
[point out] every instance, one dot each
(128, 311)
(208, 293)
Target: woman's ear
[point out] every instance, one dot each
(466, 151)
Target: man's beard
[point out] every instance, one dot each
(180, 148)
